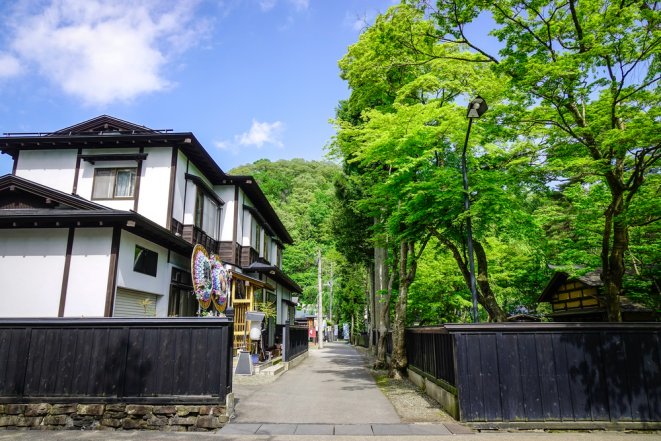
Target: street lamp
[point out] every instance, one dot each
(476, 108)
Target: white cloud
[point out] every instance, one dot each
(9, 66)
(267, 5)
(300, 4)
(103, 51)
(261, 133)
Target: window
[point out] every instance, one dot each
(145, 261)
(258, 237)
(267, 248)
(114, 183)
(182, 301)
(207, 214)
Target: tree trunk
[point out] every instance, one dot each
(485, 295)
(407, 269)
(612, 259)
(496, 313)
(371, 307)
(384, 325)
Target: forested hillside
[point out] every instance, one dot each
(302, 194)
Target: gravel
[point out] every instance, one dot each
(412, 404)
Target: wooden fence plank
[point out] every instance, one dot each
(65, 365)
(532, 399)
(547, 377)
(491, 377)
(510, 383)
(619, 396)
(562, 377)
(597, 381)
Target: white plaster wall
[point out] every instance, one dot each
(155, 185)
(31, 270)
(247, 228)
(88, 275)
(241, 220)
(226, 193)
(54, 168)
(127, 278)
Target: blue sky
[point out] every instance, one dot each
(250, 78)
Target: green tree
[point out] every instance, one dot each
(405, 152)
(583, 82)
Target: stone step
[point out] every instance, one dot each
(362, 430)
(276, 369)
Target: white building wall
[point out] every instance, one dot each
(31, 270)
(226, 193)
(54, 168)
(88, 274)
(247, 228)
(155, 185)
(241, 218)
(127, 278)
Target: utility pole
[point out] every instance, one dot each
(330, 285)
(320, 316)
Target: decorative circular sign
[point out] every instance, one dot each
(201, 270)
(210, 279)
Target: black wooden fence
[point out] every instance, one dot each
(430, 350)
(546, 372)
(295, 341)
(173, 360)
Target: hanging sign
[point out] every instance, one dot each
(210, 281)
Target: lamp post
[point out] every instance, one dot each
(475, 110)
(320, 313)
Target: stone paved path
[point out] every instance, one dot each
(331, 393)
(332, 386)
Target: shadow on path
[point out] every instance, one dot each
(332, 386)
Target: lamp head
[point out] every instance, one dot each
(477, 107)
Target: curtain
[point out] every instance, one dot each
(124, 183)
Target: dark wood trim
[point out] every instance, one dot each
(137, 181)
(112, 271)
(139, 157)
(65, 273)
(15, 165)
(235, 257)
(77, 173)
(183, 210)
(199, 182)
(173, 177)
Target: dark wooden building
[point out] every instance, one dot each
(581, 299)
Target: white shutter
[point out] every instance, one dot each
(130, 304)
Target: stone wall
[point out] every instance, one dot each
(171, 418)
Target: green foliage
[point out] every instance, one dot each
(302, 194)
(582, 84)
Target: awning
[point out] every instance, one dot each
(256, 282)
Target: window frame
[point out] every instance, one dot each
(202, 200)
(139, 250)
(113, 183)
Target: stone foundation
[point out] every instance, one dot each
(444, 394)
(169, 418)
